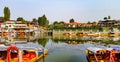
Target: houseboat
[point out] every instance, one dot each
(115, 54)
(95, 54)
(13, 53)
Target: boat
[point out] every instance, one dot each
(115, 54)
(103, 34)
(113, 34)
(69, 34)
(90, 34)
(13, 53)
(97, 34)
(94, 54)
(81, 34)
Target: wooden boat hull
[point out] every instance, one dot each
(40, 56)
(92, 58)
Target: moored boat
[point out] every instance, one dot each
(113, 34)
(81, 34)
(95, 54)
(13, 53)
(69, 34)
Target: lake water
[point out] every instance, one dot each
(64, 50)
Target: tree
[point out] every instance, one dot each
(20, 19)
(109, 17)
(45, 21)
(6, 14)
(105, 18)
(55, 22)
(42, 21)
(71, 20)
(62, 22)
(34, 21)
(2, 18)
(88, 22)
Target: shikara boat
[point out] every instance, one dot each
(94, 54)
(69, 34)
(81, 34)
(113, 34)
(13, 53)
(115, 54)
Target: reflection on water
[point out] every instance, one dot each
(61, 48)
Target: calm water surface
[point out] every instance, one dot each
(62, 50)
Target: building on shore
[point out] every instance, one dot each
(14, 28)
(108, 23)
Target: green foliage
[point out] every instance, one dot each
(109, 17)
(34, 21)
(6, 14)
(50, 27)
(42, 21)
(55, 22)
(88, 22)
(105, 18)
(58, 25)
(71, 20)
(2, 18)
(20, 19)
(61, 22)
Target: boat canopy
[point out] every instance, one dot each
(3, 47)
(27, 48)
(116, 48)
(94, 49)
(109, 49)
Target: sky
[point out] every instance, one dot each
(62, 10)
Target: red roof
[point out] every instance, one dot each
(73, 23)
(10, 21)
(87, 25)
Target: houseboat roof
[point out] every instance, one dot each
(116, 48)
(27, 48)
(3, 47)
(109, 49)
(94, 49)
